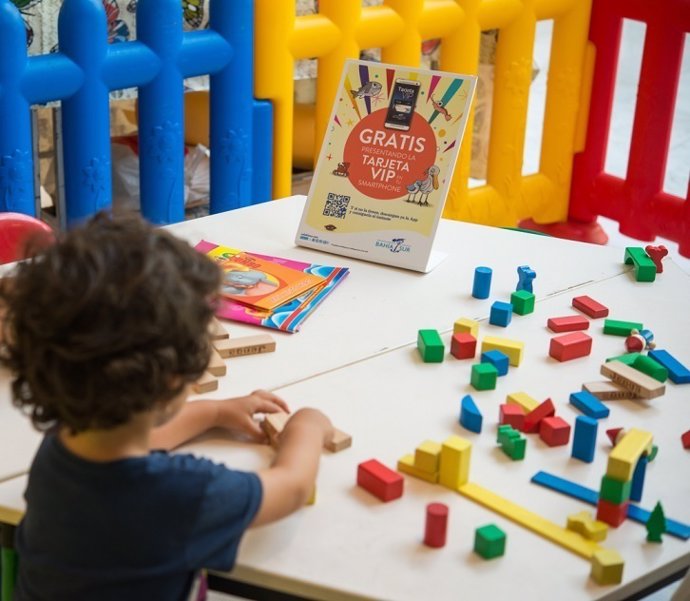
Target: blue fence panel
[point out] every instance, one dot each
(87, 68)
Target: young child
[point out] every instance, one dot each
(104, 333)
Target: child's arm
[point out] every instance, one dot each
(197, 417)
(289, 482)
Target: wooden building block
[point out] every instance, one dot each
(590, 307)
(554, 431)
(465, 325)
(584, 438)
(645, 269)
(511, 415)
(652, 368)
(217, 330)
(656, 254)
(206, 383)
(379, 480)
(463, 345)
(616, 327)
(489, 541)
(339, 442)
(427, 456)
(627, 358)
(406, 466)
(585, 525)
(685, 439)
(614, 491)
(273, 424)
(523, 302)
(454, 470)
(625, 454)
(436, 525)
(638, 383)
(512, 348)
(613, 514)
(512, 442)
(501, 314)
(588, 404)
(569, 323)
(246, 345)
(216, 364)
(470, 416)
(522, 399)
(608, 391)
(570, 346)
(607, 567)
(498, 359)
(677, 372)
(430, 346)
(534, 417)
(483, 376)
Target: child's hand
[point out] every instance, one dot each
(237, 414)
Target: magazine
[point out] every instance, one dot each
(263, 284)
(289, 316)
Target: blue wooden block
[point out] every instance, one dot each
(482, 282)
(501, 314)
(470, 417)
(498, 359)
(584, 438)
(589, 404)
(638, 479)
(677, 372)
(525, 277)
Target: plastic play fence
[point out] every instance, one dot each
(343, 28)
(638, 201)
(87, 68)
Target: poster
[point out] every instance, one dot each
(386, 164)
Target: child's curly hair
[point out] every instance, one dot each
(108, 322)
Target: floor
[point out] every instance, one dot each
(678, 170)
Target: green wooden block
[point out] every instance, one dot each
(489, 541)
(512, 442)
(523, 302)
(652, 368)
(628, 358)
(620, 328)
(484, 376)
(645, 268)
(614, 490)
(430, 346)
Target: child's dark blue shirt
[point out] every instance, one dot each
(133, 529)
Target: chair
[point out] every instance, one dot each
(22, 235)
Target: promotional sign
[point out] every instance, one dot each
(386, 164)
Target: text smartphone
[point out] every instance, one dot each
(403, 101)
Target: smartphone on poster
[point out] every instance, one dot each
(402, 104)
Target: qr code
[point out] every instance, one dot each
(336, 206)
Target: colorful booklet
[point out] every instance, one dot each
(289, 316)
(251, 280)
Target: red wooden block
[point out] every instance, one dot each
(436, 525)
(686, 440)
(570, 323)
(513, 415)
(590, 307)
(554, 431)
(379, 480)
(570, 346)
(610, 513)
(613, 434)
(656, 253)
(463, 345)
(534, 417)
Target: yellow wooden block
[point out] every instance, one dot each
(607, 567)
(427, 456)
(454, 470)
(464, 324)
(565, 538)
(512, 348)
(523, 400)
(406, 466)
(312, 499)
(584, 524)
(625, 454)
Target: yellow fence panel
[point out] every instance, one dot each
(343, 28)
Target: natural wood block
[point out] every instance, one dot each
(216, 364)
(245, 345)
(340, 442)
(635, 381)
(217, 330)
(206, 383)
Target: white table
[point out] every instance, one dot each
(375, 309)
(373, 385)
